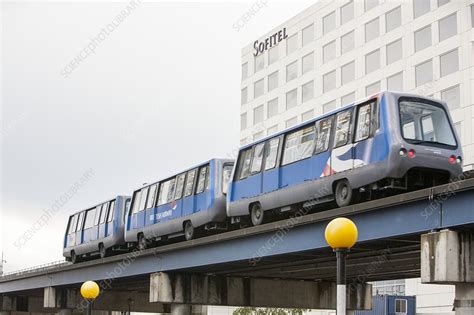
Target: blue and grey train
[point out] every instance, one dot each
(97, 230)
(387, 143)
(182, 204)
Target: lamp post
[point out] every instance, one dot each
(341, 235)
(89, 291)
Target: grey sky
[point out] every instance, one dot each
(160, 93)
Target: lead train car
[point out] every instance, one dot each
(393, 141)
(179, 204)
(99, 229)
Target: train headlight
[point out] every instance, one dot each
(459, 160)
(403, 152)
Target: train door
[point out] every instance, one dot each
(342, 158)
(248, 181)
(150, 209)
(89, 229)
(102, 217)
(363, 130)
(71, 231)
(188, 198)
(322, 154)
(79, 237)
(178, 195)
(109, 220)
(270, 174)
(202, 197)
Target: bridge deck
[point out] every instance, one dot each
(388, 246)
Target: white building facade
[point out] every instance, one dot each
(339, 51)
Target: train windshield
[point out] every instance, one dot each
(226, 173)
(425, 123)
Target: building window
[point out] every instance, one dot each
(423, 38)
(372, 88)
(400, 306)
(448, 27)
(372, 61)
(329, 22)
(442, 2)
(329, 106)
(424, 72)
(393, 19)
(329, 51)
(259, 62)
(307, 91)
(272, 108)
(449, 62)
(291, 99)
(329, 81)
(291, 44)
(452, 97)
(307, 115)
(292, 71)
(245, 70)
(372, 30)
(272, 130)
(273, 81)
(421, 7)
(348, 99)
(347, 72)
(347, 12)
(243, 121)
(394, 51)
(258, 88)
(370, 4)
(243, 96)
(308, 63)
(472, 15)
(258, 114)
(347, 42)
(395, 82)
(273, 54)
(308, 34)
(291, 122)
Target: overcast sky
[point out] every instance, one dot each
(160, 92)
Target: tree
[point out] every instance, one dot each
(268, 311)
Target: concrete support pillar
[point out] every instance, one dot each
(180, 309)
(65, 311)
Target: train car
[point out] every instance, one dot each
(389, 142)
(180, 204)
(96, 230)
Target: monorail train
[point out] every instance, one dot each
(99, 229)
(393, 141)
(181, 204)
(386, 143)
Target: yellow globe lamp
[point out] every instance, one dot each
(90, 290)
(341, 233)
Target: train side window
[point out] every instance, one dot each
(179, 186)
(143, 198)
(188, 190)
(103, 213)
(110, 214)
(97, 214)
(165, 189)
(299, 145)
(257, 158)
(364, 115)
(323, 129)
(172, 190)
(244, 163)
(151, 196)
(72, 224)
(343, 124)
(203, 178)
(226, 175)
(125, 211)
(90, 216)
(136, 201)
(272, 153)
(80, 221)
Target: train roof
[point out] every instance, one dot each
(107, 200)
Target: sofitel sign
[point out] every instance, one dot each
(269, 42)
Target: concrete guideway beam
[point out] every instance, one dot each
(447, 257)
(253, 292)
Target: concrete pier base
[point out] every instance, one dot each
(464, 299)
(180, 309)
